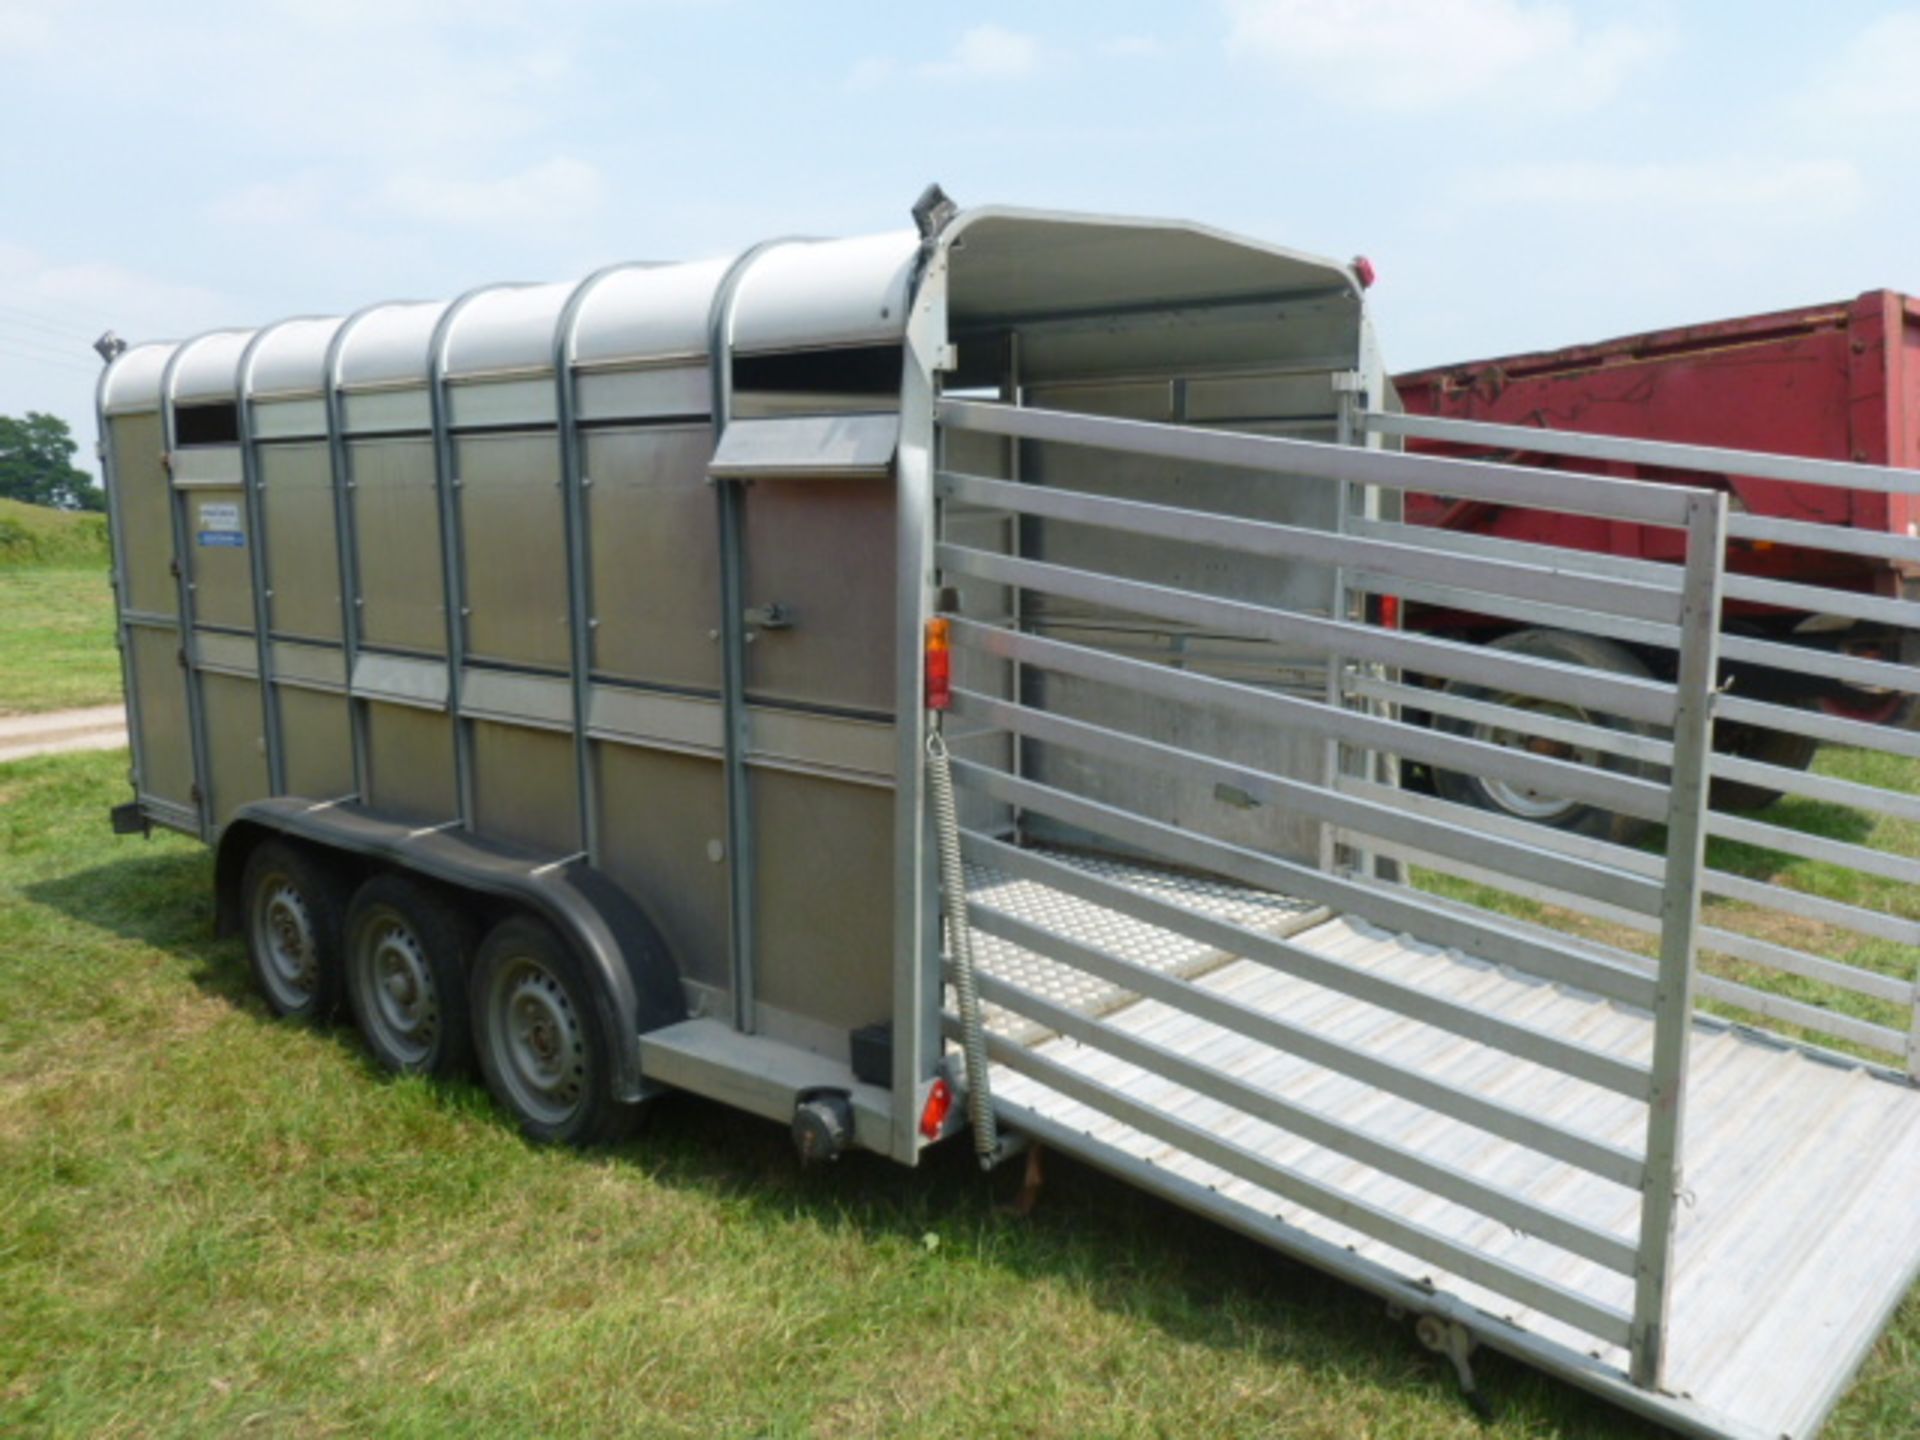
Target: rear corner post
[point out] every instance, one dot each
(117, 557)
(1695, 691)
(916, 947)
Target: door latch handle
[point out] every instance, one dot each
(775, 616)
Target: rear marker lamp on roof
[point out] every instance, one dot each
(939, 665)
(1363, 271)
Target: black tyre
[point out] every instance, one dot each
(409, 949)
(1540, 806)
(1764, 745)
(291, 907)
(541, 1040)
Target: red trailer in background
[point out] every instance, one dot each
(1828, 382)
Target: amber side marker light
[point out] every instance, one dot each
(939, 665)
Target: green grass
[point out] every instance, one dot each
(210, 1221)
(56, 638)
(40, 535)
(1886, 834)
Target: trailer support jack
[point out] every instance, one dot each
(1028, 1195)
(1453, 1340)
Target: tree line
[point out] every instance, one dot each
(36, 464)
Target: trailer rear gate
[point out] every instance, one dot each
(1155, 506)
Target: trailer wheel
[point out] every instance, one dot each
(291, 904)
(540, 1039)
(1540, 806)
(1765, 745)
(408, 949)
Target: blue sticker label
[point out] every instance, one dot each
(220, 524)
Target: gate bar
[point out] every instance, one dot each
(1600, 1157)
(1350, 812)
(1426, 917)
(1570, 1057)
(1625, 793)
(1601, 1321)
(1389, 1158)
(1648, 502)
(1680, 924)
(1843, 474)
(1646, 700)
(1517, 580)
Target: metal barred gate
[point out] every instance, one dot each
(1521, 1129)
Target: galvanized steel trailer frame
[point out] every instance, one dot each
(1153, 637)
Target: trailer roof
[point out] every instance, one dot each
(1008, 266)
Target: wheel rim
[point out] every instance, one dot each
(400, 1005)
(283, 939)
(1526, 801)
(536, 1040)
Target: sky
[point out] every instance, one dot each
(1523, 173)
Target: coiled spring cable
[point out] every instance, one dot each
(959, 947)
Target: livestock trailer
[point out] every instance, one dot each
(929, 683)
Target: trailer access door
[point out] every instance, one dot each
(1475, 1115)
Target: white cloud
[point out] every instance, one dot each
(1409, 55)
(23, 28)
(873, 72)
(1132, 47)
(1873, 77)
(89, 295)
(302, 200)
(335, 80)
(1781, 191)
(555, 192)
(988, 52)
(50, 313)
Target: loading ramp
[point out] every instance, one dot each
(1784, 1279)
(1479, 1117)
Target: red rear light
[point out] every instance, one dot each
(1390, 612)
(1363, 271)
(939, 665)
(933, 1118)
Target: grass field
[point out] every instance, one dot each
(56, 611)
(41, 535)
(210, 1220)
(1887, 834)
(56, 638)
(213, 1222)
